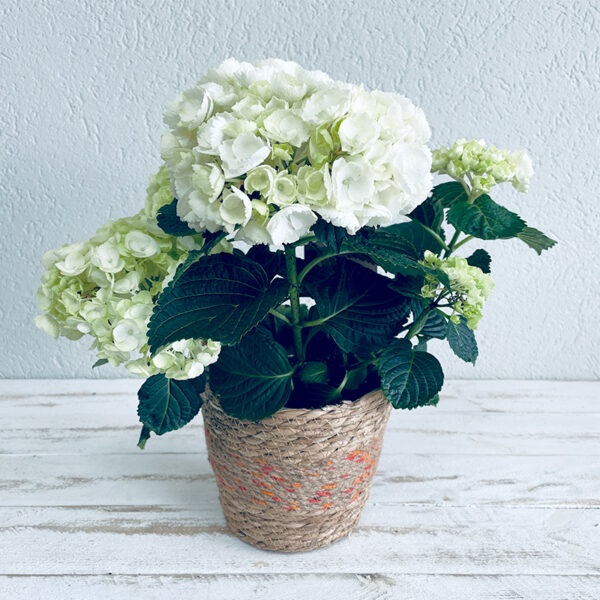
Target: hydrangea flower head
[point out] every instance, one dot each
(262, 150)
(470, 286)
(485, 165)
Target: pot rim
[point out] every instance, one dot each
(373, 396)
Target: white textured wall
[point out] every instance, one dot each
(83, 84)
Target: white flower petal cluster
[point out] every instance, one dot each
(106, 288)
(485, 165)
(261, 150)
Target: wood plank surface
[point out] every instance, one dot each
(493, 494)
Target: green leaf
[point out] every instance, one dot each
(430, 213)
(313, 372)
(409, 378)
(449, 193)
(435, 324)
(170, 223)
(417, 235)
(485, 219)
(100, 362)
(535, 239)
(480, 258)
(328, 234)
(272, 262)
(313, 395)
(393, 253)
(462, 340)
(252, 379)
(356, 377)
(356, 306)
(168, 404)
(407, 285)
(221, 297)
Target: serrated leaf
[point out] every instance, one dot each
(328, 234)
(480, 258)
(417, 235)
(272, 262)
(449, 193)
(435, 324)
(313, 372)
(393, 253)
(356, 306)
(535, 239)
(100, 362)
(252, 379)
(484, 219)
(219, 297)
(170, 223)
(462, 340)
(409, 378)
(168, 404)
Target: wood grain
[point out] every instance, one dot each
(493, 494)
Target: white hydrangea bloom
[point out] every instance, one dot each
(106, 288)
(283, 137)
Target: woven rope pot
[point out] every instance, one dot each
(299, 479)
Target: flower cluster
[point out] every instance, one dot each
(261, 150)
(106, 288)
(470, 286)
(485, 165)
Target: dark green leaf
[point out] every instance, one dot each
(313, 372)
(328, 234)
(272, 262)
(535, 239)
(480, 258)
(359, 311)
(462, 340)
(356, 377)
(407, 285)
(449, 193)
(100, 362)
(144, 437)
(313, 395)
(435, 324)
(417, 235)
(170, 223)
(393, 253)
(409, 378)
(430, 213)
(220, 297)
(485, 219)
(168, 404)
(252, 379)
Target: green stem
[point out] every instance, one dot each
(304, 240)
(466, 239)
(313, 263)
(292, 273)
(450, 247)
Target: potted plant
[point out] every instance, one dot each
(288, 269)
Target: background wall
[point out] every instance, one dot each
(84, 82)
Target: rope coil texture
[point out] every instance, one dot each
(299, 479)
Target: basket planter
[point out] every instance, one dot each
(297, 480)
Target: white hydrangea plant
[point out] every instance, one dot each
(280, 158)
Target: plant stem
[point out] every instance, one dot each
(450, 247)
(292, 273)
(466, 239)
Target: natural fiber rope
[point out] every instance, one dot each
(299, 479)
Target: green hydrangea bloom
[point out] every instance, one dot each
(158, 192)
(106, 288)
(484, 165)
(471, 287)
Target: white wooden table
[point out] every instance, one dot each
(493, 494)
